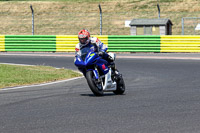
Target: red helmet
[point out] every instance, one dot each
(84, 37)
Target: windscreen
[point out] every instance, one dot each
(85, 51)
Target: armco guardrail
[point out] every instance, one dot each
(28, 43)
(65, 43)
(180, 44)
(134, 43)
(116, 43)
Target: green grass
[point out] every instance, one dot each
(63, 0)
(68, 17)
(169, 0)
(12, 75)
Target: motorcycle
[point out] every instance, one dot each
(98, 73)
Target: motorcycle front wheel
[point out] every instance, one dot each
(94, 84)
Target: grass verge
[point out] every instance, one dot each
(13, 75)
(68, 17)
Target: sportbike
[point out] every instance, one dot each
(98, 72)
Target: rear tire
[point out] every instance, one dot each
(95, 86)
(120, 86)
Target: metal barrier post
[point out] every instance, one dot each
(182, 26)
(100, 19)
(32, 19)
(158, 10)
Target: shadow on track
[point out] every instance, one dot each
(106, 94)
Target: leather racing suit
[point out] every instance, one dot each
(100, 48)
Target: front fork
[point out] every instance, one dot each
(96, 74)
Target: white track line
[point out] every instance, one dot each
(17, 64)
(48, 55)
(36, 85)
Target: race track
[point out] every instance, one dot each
(162, 96)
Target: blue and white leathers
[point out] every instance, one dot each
(94, 41)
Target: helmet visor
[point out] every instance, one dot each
(83, 40)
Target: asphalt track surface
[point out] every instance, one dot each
(162, 96)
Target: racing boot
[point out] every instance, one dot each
(112, 64)
(115, 72)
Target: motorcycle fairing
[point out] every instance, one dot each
(109, 85)
(91, 58)
(103, 66)
(79, 63)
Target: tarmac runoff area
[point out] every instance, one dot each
(181, 56)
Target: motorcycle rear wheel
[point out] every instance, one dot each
(120, 86)
(95, 86)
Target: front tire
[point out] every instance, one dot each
(95, 86)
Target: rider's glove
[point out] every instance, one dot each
(101, 53)
(110, 58)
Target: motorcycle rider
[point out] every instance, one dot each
(86, 41)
